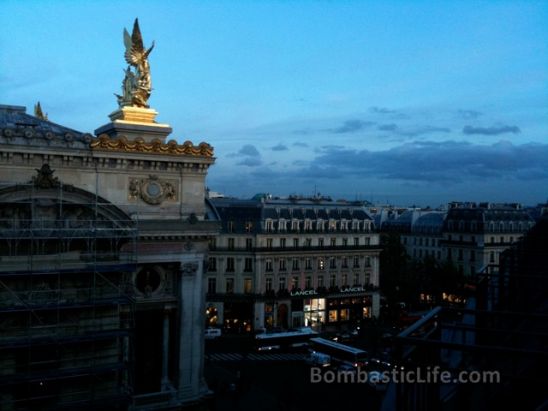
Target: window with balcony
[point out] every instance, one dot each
(230, 264)
(295, 243)
(356, 262)
(308, 264)
(248, 244)
(368, 261)
(268, 264)
(295, 225)
(281, 283)
(308, 242)
(247, 286)
(308, 282)
(332, 263)
(248, 226)
(212, 243)
(356, 241)
(230, 285)
(268, 284)
(321, 263)
(344, 279)
(231, 244)
(333, 242)
(269, 226)
(211, 285)
(294, 282)
(282, 242)
(282, 264)
(356, 279)
(248, 264)
(345, 242)
(295, 264)
(320, 242)
(332, 225)
(320, 281)
(269, 243)
(212, 264)
(333, 280)
(344, 262)
(307, 225)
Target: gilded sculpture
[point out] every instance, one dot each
(136, 86)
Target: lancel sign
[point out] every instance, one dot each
(313, 292)
(352, 289)
(304, 292)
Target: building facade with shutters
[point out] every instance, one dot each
(292, 262)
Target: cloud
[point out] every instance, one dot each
(279, 147)
(300, 144)
(491, 131)
(469, 114)
(249, 150)
(250, 162)
(447, 162)
(351, 126)
(387, 127)
(412, 131)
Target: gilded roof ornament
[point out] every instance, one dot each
(39, 113)
(137, 84)
(139, 145)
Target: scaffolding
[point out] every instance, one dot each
(67, 258)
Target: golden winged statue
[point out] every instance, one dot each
(137, 85)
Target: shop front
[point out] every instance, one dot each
(315, 309)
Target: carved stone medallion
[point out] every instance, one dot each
(151, 190)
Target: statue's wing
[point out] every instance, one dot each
(129, 55)
(134, 45)
(136, 38)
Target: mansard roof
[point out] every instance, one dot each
(22, 129)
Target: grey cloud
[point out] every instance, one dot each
(250, 162)
(351, 126)
(491, 131)
(447, 162)
(299, 144)
(387, 127)
(249, 150)
(412, 131)
(279, 147)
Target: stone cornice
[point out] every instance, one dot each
(122, 144)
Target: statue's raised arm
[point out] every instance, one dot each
(137, 86)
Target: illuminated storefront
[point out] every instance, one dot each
(314, 312)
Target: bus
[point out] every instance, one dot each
(339, 352)
(284, 340)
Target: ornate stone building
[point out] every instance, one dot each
(102, 247)
(292, 262)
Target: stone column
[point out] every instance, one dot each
(191, 346)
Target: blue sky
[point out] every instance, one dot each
(411, 102)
